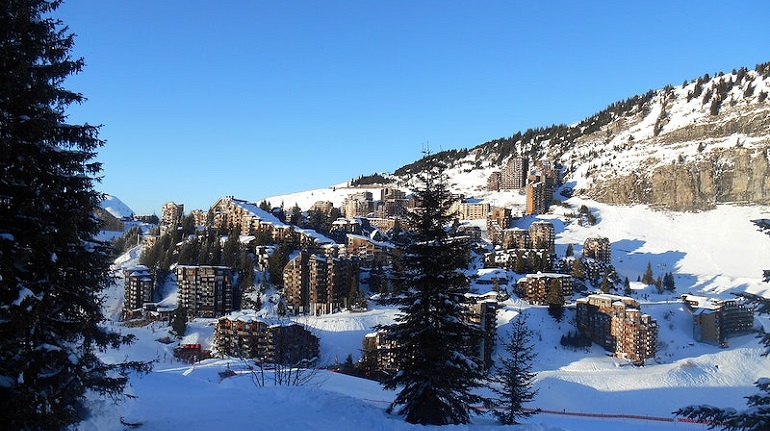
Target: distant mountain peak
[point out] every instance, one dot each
(116, 207)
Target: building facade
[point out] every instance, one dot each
(267, 341)
(715, 320)
(514, 174)
(205, 290)
(537, 198)
(598, 248)
(318, 284)
(171, 216)
(543, 235)
(498, 220)
(138, 288)
(617, 324)
(537, 288)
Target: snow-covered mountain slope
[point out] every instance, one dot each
(116, 207)
(686, 147)
(715, 252)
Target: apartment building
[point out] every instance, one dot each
(537, 197)
(205, 290)
(520, 260)
(268, 341)
(358, 204)
(715, 320)
(230, 213)
(516, 238)
(470, 210)
(617, 324)
(171, 216)
(199, 217)
(542, 235)
(513, 176)
(537, 288)
(493, 182)
(598, 248)
(484, 316)
(369, 251)
(499, 219)
(138, 288)
(318, 284)
(472, 232)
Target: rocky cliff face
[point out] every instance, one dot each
(738, 175)
(681, 152)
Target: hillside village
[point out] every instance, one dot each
(258, 270)
(278, 286)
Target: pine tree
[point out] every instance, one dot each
(756, 417)
(515, 374)
(668, 282)
(627, 287)
(52, 269)
(432, 330)
(648, 278)
(578, 270)
(606, 285)
(179, 322)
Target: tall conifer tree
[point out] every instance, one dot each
(52, 269)
(432, 330)
(515, 375)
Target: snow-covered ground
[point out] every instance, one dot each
(714, 253)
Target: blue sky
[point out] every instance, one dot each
(202, 99)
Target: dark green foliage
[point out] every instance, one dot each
(52, 269)
(127, 241)
(627, 287)
(265, 206)
(668, 282)
(575, 339)
(179, 322)
(555, 300)
(763, 69)
(295, 216)
(716, 103)
(430, 160)
(436, 376)
(365, 180)
(188, 225)
(756, 417)
(569, 251)
(348, 367)
(320, 221)
(648, 278)
(659, 284)
(578, 269)
(762, 96)
(277, 261)
(515, 376)
(606, 285)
